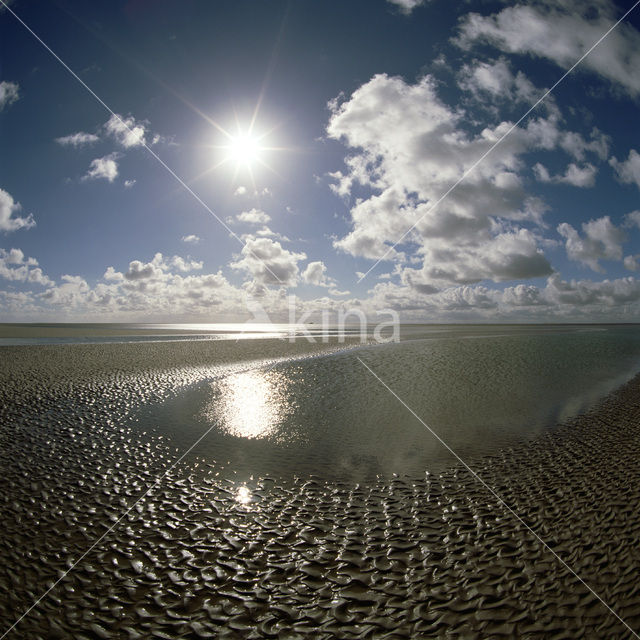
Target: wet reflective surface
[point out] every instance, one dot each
(479, 390)
(248, 405)
(214, 548)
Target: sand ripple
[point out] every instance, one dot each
(205, 556)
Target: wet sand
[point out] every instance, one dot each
(201, 557)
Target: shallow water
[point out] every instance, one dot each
(480, 389)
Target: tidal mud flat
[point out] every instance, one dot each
(194, 554)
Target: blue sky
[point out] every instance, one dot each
(312, 148)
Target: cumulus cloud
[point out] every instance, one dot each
(409, 148)
(507, 256)
(70, 293)
(562, 31)
(160, 286)
(126, 131)
(254, 216)
(632, 219)
(462, 298)
(240, 191)
(186, 264)
(9, 221)
(558, 300)
(523, 295)
(628, 170)
(268, 263)
(496, 80)
(143, 271)
(191, 239)
(577, 146)
(155, 270)
(316, 274)
(15, 266)
(79, 139)
(602, 240)
(111, 275)
(407, 6)
(103, 168)
(165, 293)
(9, 93)
(129, 183)
(597, 295)
(266, 232)
(574, 175)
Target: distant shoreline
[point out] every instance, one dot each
(94, 333)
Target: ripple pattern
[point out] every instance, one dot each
(204, 556)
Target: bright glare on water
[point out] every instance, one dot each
(247, 405)
(479, 389)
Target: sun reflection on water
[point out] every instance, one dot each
(243, 495)
(249, 404)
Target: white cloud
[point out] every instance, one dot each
(496, 80)
(155, 287)
(597, 295)
(268, 263)
(72, 292)
(78, 139)
(240, 191)
(185, 265)
(574, 175)
(407, 6)
(17, 305)
(408, 149)
(14, 266)
(628, 170)
(105, 167)
(631, 262)
(266, 232)
(165, 294)
(506, 256)
(577, 147)
(126, 131)
(9, 93)
(111, 275)
(192, 239)
(559, 300)
(316, 274)
(254, 216)
(16, 256)
(9, 221)
(523, 295)
(154, 270)
(632, 219)
(562, 31)
(129, 183)
(602, 240)
(542, 173)
(143, 271)
(462, 298)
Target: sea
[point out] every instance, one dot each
(439, 395)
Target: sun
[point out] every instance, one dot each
(247, 150)
(244, 149)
